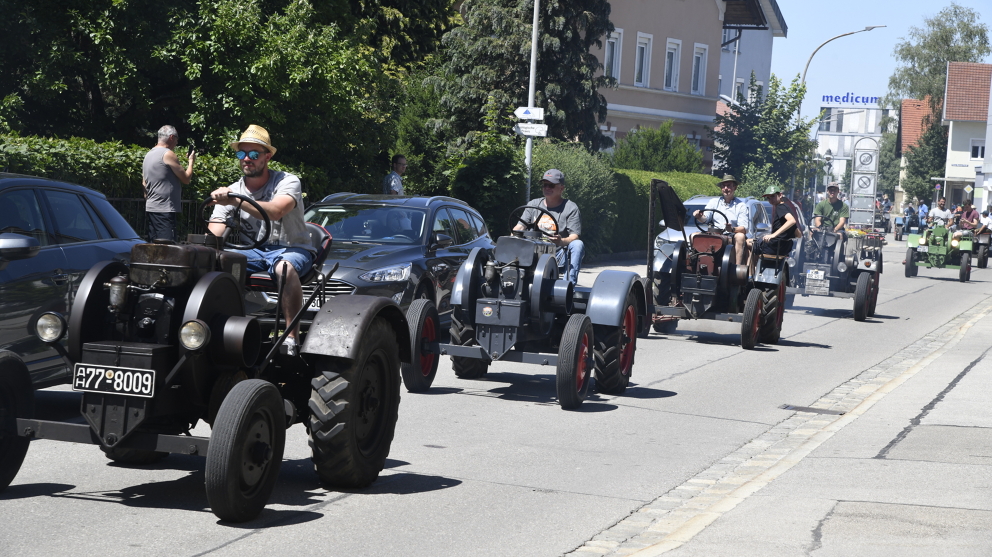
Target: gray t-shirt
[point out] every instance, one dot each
(161, 184)
(392, 183)
(290, 231)
(945, 214)
(566, 213)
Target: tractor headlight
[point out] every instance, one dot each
(194, 335)
(923, 241)
(842, 267)
(388, 274)
(50, 327)
(954, 243)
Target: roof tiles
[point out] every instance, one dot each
(967, 95)
(912, 113)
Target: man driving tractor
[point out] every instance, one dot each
(831, 213)
(288, 249)
(566, 212)
(941, 212)
(734, 208)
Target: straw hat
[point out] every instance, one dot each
(255, 134)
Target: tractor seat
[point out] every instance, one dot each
(321, 240)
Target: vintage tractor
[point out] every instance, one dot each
(845, 265)
(980, 247)
(936, 247)
(164, 342)
(512, 306)
(700, 278)
(907, 224)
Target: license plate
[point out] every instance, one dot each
(923, 249)
(315, 305)
(112, 379)
(814, 274)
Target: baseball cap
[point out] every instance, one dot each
(554, 176)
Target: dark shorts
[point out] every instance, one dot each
(161, 226)
(775, 246)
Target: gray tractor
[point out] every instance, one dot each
(511, 305)
(162, 343)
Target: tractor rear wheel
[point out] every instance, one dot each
(983, 257)
(353, 410)
(462, 334)
(419, 374)
(615, 348)
(772, 313)
(911, 268)
(575, 361)
(752, 319)
(16, 401)
(862, 295)
(873, 299)
(964, 273)
(246, 447)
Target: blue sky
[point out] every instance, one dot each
(859, 63)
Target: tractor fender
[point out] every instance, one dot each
(768, 273)
(468, 280)
(340, 325)
(965, 245)
(605, 306)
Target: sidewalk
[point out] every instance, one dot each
(895, 462)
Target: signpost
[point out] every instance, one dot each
(864, 179)
(531, 130)
(531, 89)
(529, 113)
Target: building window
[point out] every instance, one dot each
(699, 69)
(672, 53)
(642, 61)
(977, 149)
(729, 34)
(611, 62)
(825, 121)
(839, 120)
(739, 89)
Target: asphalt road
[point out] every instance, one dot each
(494, 466)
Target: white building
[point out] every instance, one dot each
(752, 52)
(847, 117)
(966, 105)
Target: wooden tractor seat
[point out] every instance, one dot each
(320, 238)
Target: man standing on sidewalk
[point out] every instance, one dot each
(162, 177)
(392, 184)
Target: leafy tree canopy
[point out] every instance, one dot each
(489, 56)
(763, 129)
(657, 150)
(954, 35)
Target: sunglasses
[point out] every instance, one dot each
(253, 155)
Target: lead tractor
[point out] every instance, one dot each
(937, 247)
(700, 277)
(164, 342)
(511, 305)
(842, 265)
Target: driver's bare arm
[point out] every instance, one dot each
(840, 225)
(789, 221)
(817, 221)
(217, 228)
(279, 207)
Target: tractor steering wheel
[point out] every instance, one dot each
(712, 225)
(531, 225)
(236, 229)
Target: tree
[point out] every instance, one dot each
(955, 35)
(763, 129)
(420, 137)
(658, 150)
(925, 160)
(888, 165)
(489, 56)
(755, 179)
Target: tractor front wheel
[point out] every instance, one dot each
(462, 334)
(575, 361)
(983, 257)
(615, 348)
(862, 296)
(911, 269)
(419, 374)
(964, 273)
(752, 319)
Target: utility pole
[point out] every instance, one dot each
(529, 148)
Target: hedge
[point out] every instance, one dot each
(115, 169)
(630, 229)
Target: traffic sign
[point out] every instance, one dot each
(529, 113)
(968, 189)
(532, 130)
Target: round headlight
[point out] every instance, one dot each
(954, 243)
(923, 241)
(842, 266)
(50, 327)
(194, 335)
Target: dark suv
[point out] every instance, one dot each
(51, 233)
(398, 247)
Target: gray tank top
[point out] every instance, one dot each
(163, 186)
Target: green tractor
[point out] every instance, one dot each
(937, 248)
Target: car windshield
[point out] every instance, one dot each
(376, 224)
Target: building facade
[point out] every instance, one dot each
(965, 113)
(752, 52)
(846, 117)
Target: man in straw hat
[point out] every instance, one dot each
(738, 216)
(288, 248)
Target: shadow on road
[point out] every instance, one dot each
(25, 491)
(799, 344)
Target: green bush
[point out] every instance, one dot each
(657, 150)
(115, 169)
(589, 182)
(632, 197)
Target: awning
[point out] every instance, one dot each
(744, 14)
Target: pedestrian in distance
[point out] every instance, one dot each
(288, 249)
(570, 247)
(163, 178)
(392, 184)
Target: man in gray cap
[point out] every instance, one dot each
(736, 218)
(569, 222)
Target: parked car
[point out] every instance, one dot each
(399, 247)
(51, 233)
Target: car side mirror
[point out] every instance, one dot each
(661, 226)
(762, 227)
(16, 246)
(440, 241)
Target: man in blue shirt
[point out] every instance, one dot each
(735, 210)
(923, 211)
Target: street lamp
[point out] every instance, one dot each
(869, 28)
